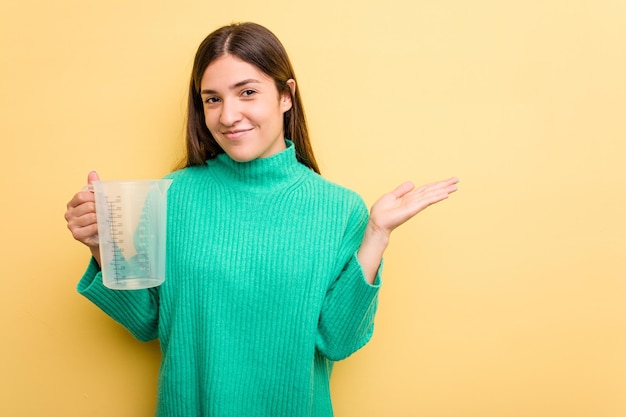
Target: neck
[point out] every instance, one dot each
(275, 171)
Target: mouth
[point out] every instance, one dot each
(235, 133)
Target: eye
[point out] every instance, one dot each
(211, 100)
(248, 93)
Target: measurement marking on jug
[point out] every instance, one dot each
(117, 229)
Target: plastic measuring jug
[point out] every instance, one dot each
(132, 220)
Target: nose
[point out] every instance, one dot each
(230, 113)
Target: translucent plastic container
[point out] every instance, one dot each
(132, 221)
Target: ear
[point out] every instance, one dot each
(285, 100)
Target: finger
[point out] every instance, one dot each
(452, 185)
(421, 201)
(83, 215)
(403, 189)
(449, 184)
(439, 191)
(81, 198)
(430, 194)
(85, 234)
(92, 176)
(83, 226)
(83, 203)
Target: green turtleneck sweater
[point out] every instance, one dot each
(263, 290)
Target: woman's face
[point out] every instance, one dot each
(242, 109)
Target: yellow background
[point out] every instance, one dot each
(509, 299)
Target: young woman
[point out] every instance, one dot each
(272, 271)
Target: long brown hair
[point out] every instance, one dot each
(257, 46)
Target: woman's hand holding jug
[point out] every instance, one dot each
(81, 218)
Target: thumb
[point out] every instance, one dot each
(402, 189)
(93, 176)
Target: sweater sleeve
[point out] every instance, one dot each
(347, 318)
(137, 310)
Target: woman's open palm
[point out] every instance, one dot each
(400, 205)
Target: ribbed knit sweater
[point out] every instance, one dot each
(263, 290)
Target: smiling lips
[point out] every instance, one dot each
(235, 133)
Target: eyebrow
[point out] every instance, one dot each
(234, 86)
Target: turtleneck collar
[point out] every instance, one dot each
(276, 171)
